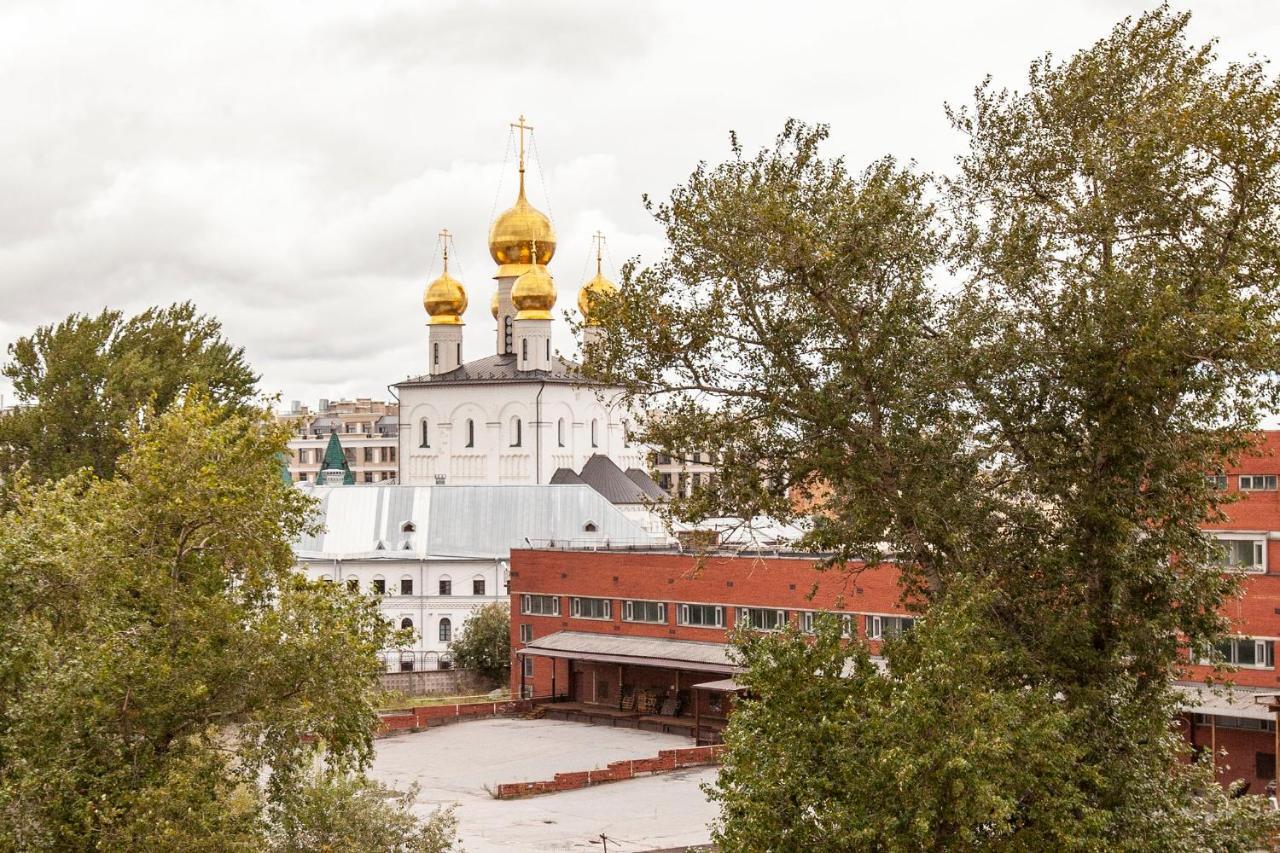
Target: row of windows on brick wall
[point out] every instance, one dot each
(875, 627)
(1247, 482)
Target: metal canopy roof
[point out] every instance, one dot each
(643, 651)
(1223, 702)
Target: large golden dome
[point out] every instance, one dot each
(534, 293)
(595, 289)
(516, 231)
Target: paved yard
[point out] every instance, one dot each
(453, 764)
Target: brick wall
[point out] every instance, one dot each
(665, 761)
(1238, 754)
(427, 716)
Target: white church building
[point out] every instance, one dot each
(505, 451)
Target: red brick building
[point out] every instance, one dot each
(638, 638)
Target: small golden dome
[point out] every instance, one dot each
(534, 294)
(493, 305)
(597, 288)
(517, 230)
(445, 300)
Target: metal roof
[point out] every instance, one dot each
(565, 477)
(644, 651)
(603, 474)
(501, 368)
(412, 522)
(646, 484)
(1225, 702)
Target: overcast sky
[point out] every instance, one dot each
(287, 166)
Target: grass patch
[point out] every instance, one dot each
(399, 701)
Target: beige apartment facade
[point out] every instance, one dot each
(367, 429)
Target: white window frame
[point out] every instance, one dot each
(875, 624)
(526, 604)
(682, 616)
(628, 612)
(575, 608)
(526, 633)
(1259, 541)
(1263, 650)
(780, 618)
(1258, 482)
(528, 666)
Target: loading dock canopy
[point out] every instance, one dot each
(1239, 702)
(640, 651)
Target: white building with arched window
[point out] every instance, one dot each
(433, 554)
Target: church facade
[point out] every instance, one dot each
(517, 416)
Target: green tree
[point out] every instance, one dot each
(170, 682)
(84, 382)
(1041, 422)
(485, 643)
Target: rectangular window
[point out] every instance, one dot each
(477, 586)
(528, 666)
(391, 454)
(602, 690)
(1217, 481)
(368, 454)
(591, 608)
(701, 615)
(406, 586)
(1243, 554)
(380, 586)
(886, 627)
(1257, 482)
(540, 605)
(762, 618)
(1244, 652)
(526, 633)
(644, 611)
(446, 587)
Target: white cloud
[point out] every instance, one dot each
(287, 165)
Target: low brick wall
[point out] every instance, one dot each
(665, 761)
(427, 716)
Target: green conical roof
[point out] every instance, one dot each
(335, 460)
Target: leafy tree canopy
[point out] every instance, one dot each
(84, 382)
(169, 681)
(1015, 375)
(485, 643)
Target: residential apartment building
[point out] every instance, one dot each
(367, 430)
(682, 473)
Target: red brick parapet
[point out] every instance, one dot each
(665, 761)
(425, 716)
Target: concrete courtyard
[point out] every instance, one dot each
(462, 763)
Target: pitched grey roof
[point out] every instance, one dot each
(651, 651)
(646, 484)
(369, 521)
(566, 477)
(602, 474)
(501, 368)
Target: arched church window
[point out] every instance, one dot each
(459, 354)
(515, 432)
(560, 432)
(524, 350)
(471, 433)
(548, 350)
(426, 438)
(435, 353)
(595, 433)
(406, 623)
(446, 630)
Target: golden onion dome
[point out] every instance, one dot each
(493, 305)
(515, 233)
(534, 294)
(595, 289)
(445, 300)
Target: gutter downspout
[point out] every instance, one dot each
(399, 432)
(537, 432)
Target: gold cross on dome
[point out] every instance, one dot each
(599, 236)
(522, 127)
(444, 241)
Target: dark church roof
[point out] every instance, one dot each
(502, 368)
(603, 475)
(646, 484)
(566, 477)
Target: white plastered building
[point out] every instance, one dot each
(433, 554)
